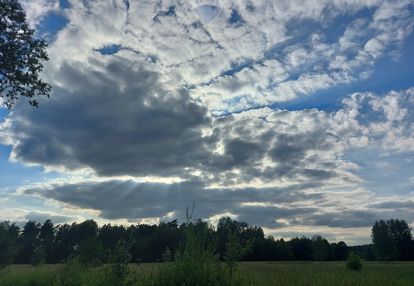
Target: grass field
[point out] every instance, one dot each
(326, 273)
(251, 273)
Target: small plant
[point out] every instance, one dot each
(354, 262)
(235, 251)
(71, 273)
(195, 264)
(197, 261)
(117, 271)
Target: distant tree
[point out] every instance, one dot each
(90, 252)
(283, 250)
(111, 236)
(401, 234)
(301, 248)
(141, 242)
(85, 230)
(28, 242)
(320, 248)
(339, 251)
(384, 244)
(254, 236)
(247, 235)
(8, 243)
(369, 253)
(91, 245)
(38, 257)
(21, 56)
(47, 237)
(65, 243)
(167, 235)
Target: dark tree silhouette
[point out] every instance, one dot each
(46, 237)
(21, 56)
(401, 234)
(339, 251)
(301, 248)
(112, 235)
(92, 244)
(8, 243)
(321, 249)
(28, 242)
(384, 244)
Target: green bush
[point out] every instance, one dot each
(117, 271)
(195, 264)
(354, 262)
(70, 275)
(235, 251)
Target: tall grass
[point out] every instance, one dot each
(248, 273)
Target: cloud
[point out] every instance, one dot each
(36, 10)
(272, 208)
(400, 205)
(135, 200)
(116, 122)
(163, 111)
(385, 121)
(280, 51)
(43, 216)
(119, 120)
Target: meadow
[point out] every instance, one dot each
(248, 273)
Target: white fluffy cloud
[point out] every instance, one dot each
(36, 10)
(254, 54)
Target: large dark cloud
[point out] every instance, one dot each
(275, 145)
(131, 200)
(117, 117)
(297, 205)
(114, 118)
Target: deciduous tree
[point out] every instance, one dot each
(21, 57)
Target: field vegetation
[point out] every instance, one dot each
(248, 273)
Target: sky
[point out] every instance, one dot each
(296, 116)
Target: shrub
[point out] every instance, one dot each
(71, 273)
(195, 264)
(354, 262)
(235, 251)
(117, 271)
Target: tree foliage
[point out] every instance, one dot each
(233, 240)
(21, 57)
(392, 240)
(321, 249)
(8, 243)
(339, 251)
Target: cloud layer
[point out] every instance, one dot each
(161, 111)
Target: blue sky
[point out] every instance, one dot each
(293, 115)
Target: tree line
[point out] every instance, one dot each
(37, 243)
